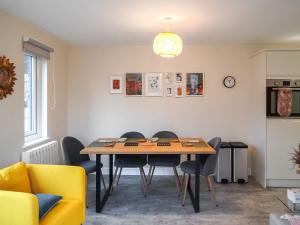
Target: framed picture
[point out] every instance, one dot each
(153, 84)
(168, 77)
(179, 77)
(134, 84)
(194, 84)
(116, 85)
(179, 91)
(169, 91)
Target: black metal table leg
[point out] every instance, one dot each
(188, 157)
(195, 197)
(98, 183)
(197, 185)
(101, 202)
(110, 171)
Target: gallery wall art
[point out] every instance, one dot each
(169, 91)
(158, 84)
(116, 84)
(134, 84)
(179, 77)
(179, 91)
(194, 84)
(168, 78)
(153, 84)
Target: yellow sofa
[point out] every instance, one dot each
(19, 183)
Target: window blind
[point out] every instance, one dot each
(32, 46)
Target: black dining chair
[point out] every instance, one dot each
(171, 161)
(71, 148)
(131, 161)
(207, 168)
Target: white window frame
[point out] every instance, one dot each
(39, 103)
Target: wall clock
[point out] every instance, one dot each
(7, 77)
(229, 81)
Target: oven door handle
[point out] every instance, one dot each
(293, 89)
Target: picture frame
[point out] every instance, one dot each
(169, 91)
(168, 78)
(179, 77)
(179, 91)
(195, 84)
(153, 84)
(116, 84)
(134, 84)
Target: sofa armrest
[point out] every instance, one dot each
(66, 181)
(18, 208)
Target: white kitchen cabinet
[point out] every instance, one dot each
(277, 136)
(282, 136)
(283, 63)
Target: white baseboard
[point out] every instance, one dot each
(285, 183)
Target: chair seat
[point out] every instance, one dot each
(130, 162)
(164, 160)
(89, 166)
(189, 167)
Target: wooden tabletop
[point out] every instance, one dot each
(152, 148)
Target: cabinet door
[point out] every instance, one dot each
(282, 136)
(283, 63)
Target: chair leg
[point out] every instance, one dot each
(144, 175)
(114, 178)
(144, 181)
(151, 176)
(212, 191)
(178, 185)
(208, 184)
(102, 179)
(119, 175)
(149, 173)
(186, 179)
(182, 180)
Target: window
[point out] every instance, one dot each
(30, 114)
(35, 97)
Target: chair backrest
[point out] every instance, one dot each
(72, 147)
(211, 161)
(132, 134)
(165, 134)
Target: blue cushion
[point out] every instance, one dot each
(46, 203)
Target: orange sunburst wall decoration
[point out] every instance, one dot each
(7, 77)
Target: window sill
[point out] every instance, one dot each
(35, 142)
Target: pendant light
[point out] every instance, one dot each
(167, 44)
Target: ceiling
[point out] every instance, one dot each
(135, 22)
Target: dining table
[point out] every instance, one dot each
(112, 146)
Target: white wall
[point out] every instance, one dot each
(12, 108)
(229, 113)
(259, 124)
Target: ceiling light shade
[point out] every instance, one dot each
(167, 44)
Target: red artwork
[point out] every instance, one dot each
(134, 84)
(116, 84)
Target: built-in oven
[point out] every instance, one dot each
(276, 85)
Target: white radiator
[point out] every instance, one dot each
(44, 154)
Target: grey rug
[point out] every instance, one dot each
(246, 204)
